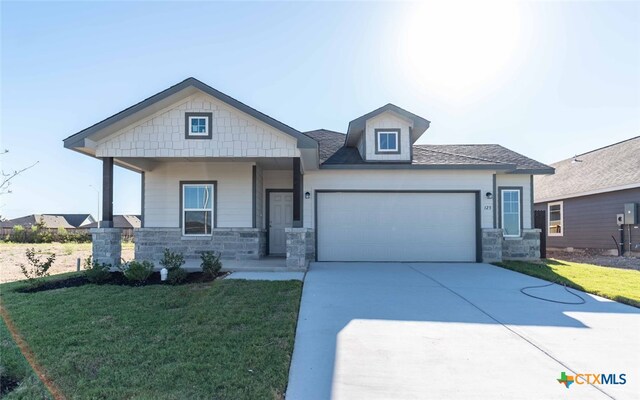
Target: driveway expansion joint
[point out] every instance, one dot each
(515, 332)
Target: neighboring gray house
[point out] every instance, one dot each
(219, 175)
(51, 221)
(586, 195)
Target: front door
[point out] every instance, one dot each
(280, 217)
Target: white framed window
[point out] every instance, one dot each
(387, 141)
(555, 215)
(197, 208)
(510, 208)
(198, 126)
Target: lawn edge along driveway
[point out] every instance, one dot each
(621, 285)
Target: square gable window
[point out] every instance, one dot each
(388, 141)
(198, 125)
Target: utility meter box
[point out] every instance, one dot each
(620, 219)
(630, 214)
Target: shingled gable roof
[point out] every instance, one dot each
(610, 168)
(164, 99)
(357, 126)
(333, 154)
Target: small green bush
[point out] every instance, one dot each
(137, 271)
(176, 275)
(96, 272)
(172, 260)
(36, 268)
(211, 264)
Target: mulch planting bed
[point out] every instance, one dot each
(587, 257)
(117, 278)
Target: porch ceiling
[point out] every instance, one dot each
(148, 164)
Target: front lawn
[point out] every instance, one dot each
(17, 379)
(621, 285)
(226, 339)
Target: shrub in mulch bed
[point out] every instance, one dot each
(118, 278)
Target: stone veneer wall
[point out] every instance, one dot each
(491, 245)
(496, 248)
(106, 245)
(301, 247)
(231, 243)
(526, 247)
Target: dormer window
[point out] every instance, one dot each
(198, 125)
(387, 141)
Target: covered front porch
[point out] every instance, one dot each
(247, 210)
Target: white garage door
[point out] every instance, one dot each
(377, 226)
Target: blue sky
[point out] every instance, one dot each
(546, 79)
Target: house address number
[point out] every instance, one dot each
(487, 207)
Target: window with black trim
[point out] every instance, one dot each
(198, 125)
(387, 140)
(197, 208)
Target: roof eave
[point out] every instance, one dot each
(534, 171)
(166, 96)
(391, 166)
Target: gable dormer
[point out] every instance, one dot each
(386, 134)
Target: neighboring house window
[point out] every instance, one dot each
(198, 125)
(511, 211)
(555, 212)
(197, 208)
(387, 140)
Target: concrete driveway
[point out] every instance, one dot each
(454, 331)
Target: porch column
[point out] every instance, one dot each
(107, 193)
(106, 240)
(297, 193)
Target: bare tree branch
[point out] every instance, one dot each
(7, 177)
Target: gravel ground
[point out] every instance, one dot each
(12, 255)
(605, 261)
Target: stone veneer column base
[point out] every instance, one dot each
(525, 248)
(301, 247)
(491, 245)
(106, 245)
(231, 243)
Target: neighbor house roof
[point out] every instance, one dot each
(611, 168)
(53, 221)
(122, 221)
(333, 153)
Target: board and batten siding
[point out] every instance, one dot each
(590, 221)
(234, 134)
(234, 192)
(517, 180)
(401, 180)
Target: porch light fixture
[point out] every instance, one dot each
(307, 195)
(489, 195)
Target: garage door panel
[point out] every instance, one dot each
(375, 226)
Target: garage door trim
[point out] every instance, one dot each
(477, 197)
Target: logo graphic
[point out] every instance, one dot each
(592, 379)
(567, 380)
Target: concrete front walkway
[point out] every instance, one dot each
(454, 331)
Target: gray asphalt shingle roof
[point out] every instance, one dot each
(53, 221)
(332, 152)
(610, 167)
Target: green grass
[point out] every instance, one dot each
(622, 285)
(14, 368)
(221, 340)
